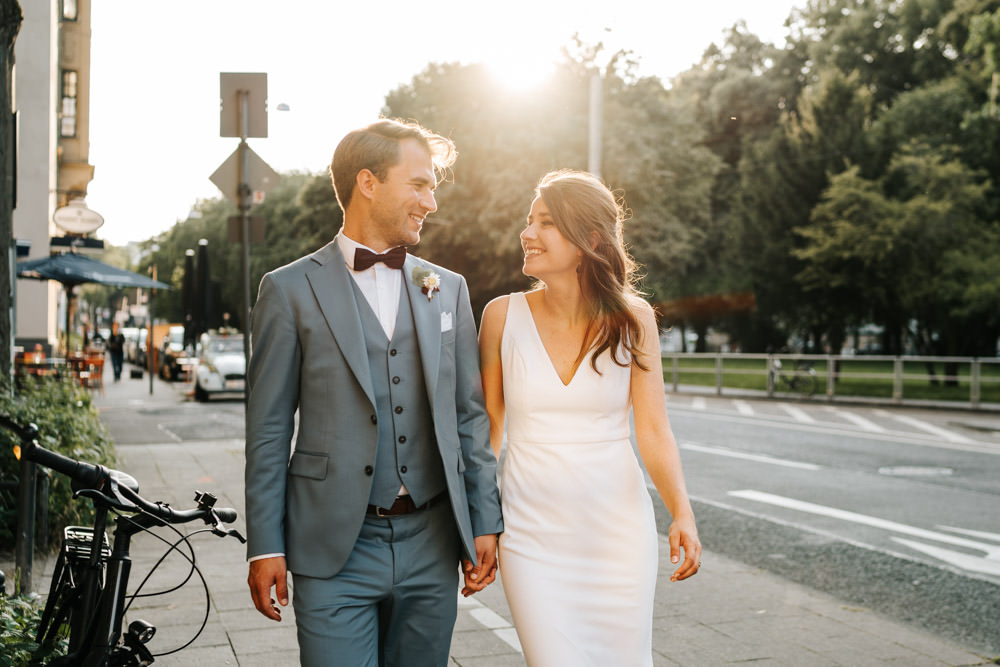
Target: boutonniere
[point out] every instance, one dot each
(428, 281)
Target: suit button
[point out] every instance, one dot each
(402, 439)
(399, 409)
(403, 469)
(395, 380)
(374, 419)
(392, 352)
(369, 470)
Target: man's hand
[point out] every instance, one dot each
(478, 577)
(266, 573)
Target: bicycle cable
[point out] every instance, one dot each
(173, 547)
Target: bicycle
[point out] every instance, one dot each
(88, 595)
(802, 380)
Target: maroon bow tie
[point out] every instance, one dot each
(364, 259)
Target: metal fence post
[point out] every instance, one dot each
(676, 372)
(831, 376)
(897, 380)
(770, 376)
(24, 542)
(974, 383)
(43, 478)
(718, 375)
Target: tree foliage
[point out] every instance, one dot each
(839, 179)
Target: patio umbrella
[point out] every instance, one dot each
(71, 270)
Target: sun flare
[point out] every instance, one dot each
(519, 72)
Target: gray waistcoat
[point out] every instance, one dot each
(407, 450)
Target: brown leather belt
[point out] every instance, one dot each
(404, 505)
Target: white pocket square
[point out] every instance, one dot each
(445, 322)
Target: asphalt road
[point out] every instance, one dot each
(896, 510)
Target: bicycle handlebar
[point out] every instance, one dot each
(111, 487)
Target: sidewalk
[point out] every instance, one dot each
(729, 613)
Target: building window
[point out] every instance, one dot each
(67, 111)
(69, 10)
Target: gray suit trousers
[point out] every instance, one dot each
(394, 602)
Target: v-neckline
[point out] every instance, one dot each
(541, 343)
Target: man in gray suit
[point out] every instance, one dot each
(391, 481)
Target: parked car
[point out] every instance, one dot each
(135, 348)
(175, 361)
(221, 366)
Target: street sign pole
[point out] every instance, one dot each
(243, 115)
(244, 196)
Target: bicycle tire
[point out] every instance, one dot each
(804, 382)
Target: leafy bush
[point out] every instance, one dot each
(69, 424)
(18, 620)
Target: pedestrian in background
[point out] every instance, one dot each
(115, 345)
(392, 481)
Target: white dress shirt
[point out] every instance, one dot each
(379, 284)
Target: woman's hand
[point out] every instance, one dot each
(683, 534)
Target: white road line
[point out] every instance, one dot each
(743, 407)
(798, 414)
(698, 403)
(491, 620)
(993, 552)
(760, 458)
(925, 426)
(858, 420)
(167, 431)
(994, 537)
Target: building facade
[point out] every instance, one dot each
(52, 103)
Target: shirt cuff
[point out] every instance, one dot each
(262, 556)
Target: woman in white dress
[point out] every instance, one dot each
(563, 364)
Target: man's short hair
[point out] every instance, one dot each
(376, 148)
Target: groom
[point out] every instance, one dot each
(391, 481)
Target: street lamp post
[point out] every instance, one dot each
(150, 348)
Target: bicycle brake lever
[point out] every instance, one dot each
(228, 533)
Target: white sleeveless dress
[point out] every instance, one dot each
(578, 554)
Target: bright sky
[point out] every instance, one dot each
(154, 114)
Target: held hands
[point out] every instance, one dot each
(684, 535)
(266, 573)
(478, 577)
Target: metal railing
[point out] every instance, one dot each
(956, 382)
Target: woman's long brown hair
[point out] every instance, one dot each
(590, 217)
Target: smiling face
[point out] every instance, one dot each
(400, 203)
(546, 250)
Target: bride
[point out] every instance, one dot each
(565, 363)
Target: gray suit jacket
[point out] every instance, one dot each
(309, 355)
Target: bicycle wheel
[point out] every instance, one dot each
(804, 382)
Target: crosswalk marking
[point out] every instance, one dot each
(698, 403)
(925, 426)
(743, 407)
(798, 414)
(858, 420)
